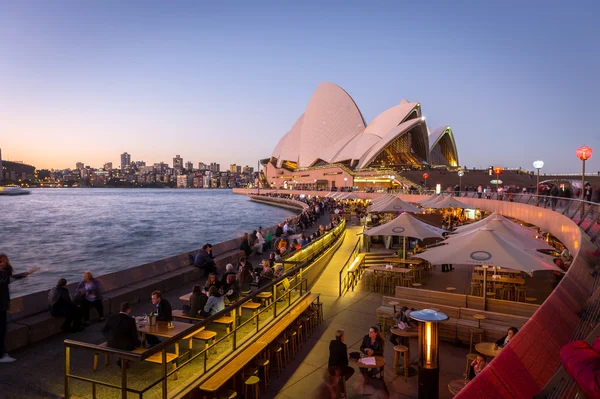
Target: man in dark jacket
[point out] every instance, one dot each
(279, 230)
(338, 356)
(204, 260)
(61, 305)
(163, 311)
(121, 330)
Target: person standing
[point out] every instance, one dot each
(89, 291)
(61, 305)
(338, 355)
(6, 276)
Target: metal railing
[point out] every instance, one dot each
(353, 267)
(198, 364)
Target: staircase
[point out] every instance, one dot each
(376, 258)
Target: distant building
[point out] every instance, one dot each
(189, 166)
(198, 181)
(79, 165)
(202, 166)
(125, 160)
(248, 170)
(238, 169)
(233, 168)
(184, 181)
(140, 164)
(107, 166)
(215, 167)
(161, 167)
(177, 162)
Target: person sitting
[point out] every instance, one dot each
(163, 311)
(211, 281)
(282, 245)
(205, 260)
(62, 306)
(89, 293)
(121, 330)
(245, 279)
(214, 304)
(197, 302)
(279, 271)
(400, 321)
(510, 334)
(266, 276)
(372, 345)
(477, 366)
(229, 269)
(231, 289)
(245, 245)
(338, 355)
(418, 249)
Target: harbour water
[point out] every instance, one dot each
(68, 231)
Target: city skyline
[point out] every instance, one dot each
(223, 82)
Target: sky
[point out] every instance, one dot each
(223, 81)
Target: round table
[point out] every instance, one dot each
(379, 363)
(479, 317)
(456, 386)
(487, 348)
(406, 334)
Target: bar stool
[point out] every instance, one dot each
(451, 289)
(284, 341)
(275, 350)
(417, 285)
(319, 308)
(264, 364)
(250, 371)
(292, 334)
(306, 326)
(229, 394)
(394, 304)
(408, 281)
(499, 290)
(509, 291)
(520, 292)
(476, 288)
(252, 384)
(387, 318)
(530, 299)
(475, 331)
(490, 294)
(404, 350)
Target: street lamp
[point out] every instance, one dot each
(425, 176)
(315, 184)
(460, 175)
(584, 153)
(497, 171)
(539, 164)
(429, 371)
(345, 181)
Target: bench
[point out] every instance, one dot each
(245, 356)
(436, 297)
(253, 306)
(179, 314)
(156, 358)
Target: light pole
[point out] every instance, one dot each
(258, 177)
(584, 153)
(345, 181)
(425, 176)
(460, 175)
(497, 171)
(315, 184)
(539, 164)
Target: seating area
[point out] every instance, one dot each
(30, 320)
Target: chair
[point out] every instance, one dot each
(405, 351)
(251, 383)
(475, 331)
(264, 364)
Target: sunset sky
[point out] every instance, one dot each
(222, 81)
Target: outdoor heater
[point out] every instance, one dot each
(429, 371)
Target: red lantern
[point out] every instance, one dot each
(584, 153)
(425, 175)
(497, 170)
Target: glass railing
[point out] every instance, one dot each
(171, 377)
(353, 268)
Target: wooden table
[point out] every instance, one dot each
(405, 261)
(392, 270)
(186, 297)
(161, 329)
(507, 280)
(379, 363)
(501, 270)
(487, 348)
(456, 386)
(479, 317)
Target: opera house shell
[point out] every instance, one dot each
(332, 130)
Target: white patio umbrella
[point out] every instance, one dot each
(509, 231)
(496, 217)
(428, 199)
(406, 225)
(393, 205)
(448, 202)
(486, 247)
(383, 199)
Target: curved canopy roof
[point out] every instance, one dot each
(442, 148)
(332, 130)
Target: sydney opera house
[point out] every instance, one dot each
(330, 145)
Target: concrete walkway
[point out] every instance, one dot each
(354, 313)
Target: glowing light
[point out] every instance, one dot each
(539, 164)
(428, 343)
(584, 153)
(497, 170)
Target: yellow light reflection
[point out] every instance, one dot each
(428, 342)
